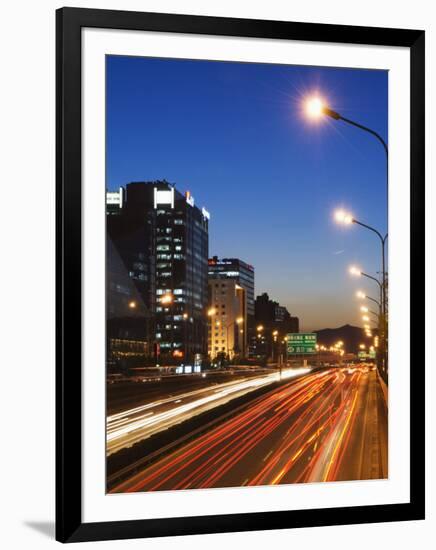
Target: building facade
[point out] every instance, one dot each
(162, 237)
(242, 273)
(238, 271)
(227, 319)
(273, 323)
(127, 317)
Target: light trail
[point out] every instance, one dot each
(305, 430)
(128, 427)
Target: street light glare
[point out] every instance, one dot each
(354, 271)
(314, 107)
(360, 294)
(343, 217)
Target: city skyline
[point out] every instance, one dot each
(270, 180)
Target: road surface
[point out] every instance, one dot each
(135, 424)
(325, 426)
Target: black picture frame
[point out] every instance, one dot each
(69, 23)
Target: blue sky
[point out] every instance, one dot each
(235, 135)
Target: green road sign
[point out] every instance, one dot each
(365, 355)
(301, 342)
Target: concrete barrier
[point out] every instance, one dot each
(384, 388)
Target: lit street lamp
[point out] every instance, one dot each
(345, 218)
(316, 108)
(237, 322)
(381, 317)
(185, 332)
(355, 271)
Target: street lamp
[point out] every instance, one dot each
(346, 218)
(361, 295)
(275, 334)
(316, 107)
(357, 272)
(343, 217)
(382, 312)
(237, 322)
(185, 331)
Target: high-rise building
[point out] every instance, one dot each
(242, 274)
(162, 237)
(227, 319)
(115, 201)
(238, 271)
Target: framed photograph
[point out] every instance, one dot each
(240, 274)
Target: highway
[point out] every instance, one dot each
(324, 426)
(135, 424)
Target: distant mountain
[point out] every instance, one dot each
(351, 336)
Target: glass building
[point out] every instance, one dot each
(163, 238)
(127, 316)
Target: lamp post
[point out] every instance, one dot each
(259, 340)
(185, 332)
(382, 321)
(346, 219)
(167, 300)
(274, 343)
(316, 108)
(361, 295)
(210, 313)
(238, 322)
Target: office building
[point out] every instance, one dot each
(162, 237)
(227, 319)
(238, 271)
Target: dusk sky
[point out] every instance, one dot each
(235, 135)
